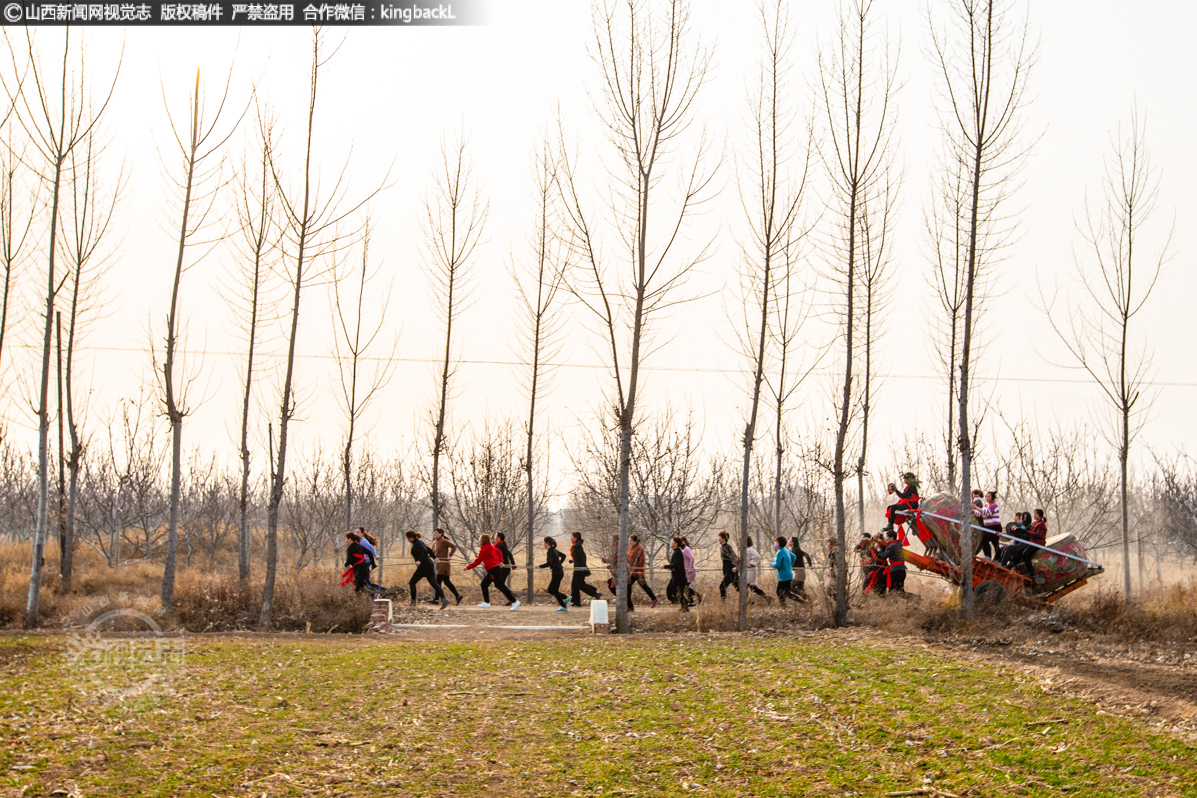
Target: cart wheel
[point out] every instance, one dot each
(990, 593)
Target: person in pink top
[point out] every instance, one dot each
(991, 520)
(691, 572)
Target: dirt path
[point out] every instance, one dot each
(1160, 688)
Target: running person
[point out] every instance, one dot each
(752, 560)
(491, 559)
(691, 572)
(553, 560)
(636, 571)
(370, 544)
(802, 561)
(783, 561)
(425, 568)
(578, 584)
(677, 574)
(729, 560)
(443, 550)
(357, 557)
(504, 570)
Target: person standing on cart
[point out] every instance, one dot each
(908, 501)
(991, 521)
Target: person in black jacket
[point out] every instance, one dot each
(802, 561)
(908, 501)
(504, 570)
(552, 561)
(578, 585)
(677, 574)
(425, 568)
(729, 559)
(357, 557)
(893, 577)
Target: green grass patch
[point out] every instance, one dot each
(816, 716)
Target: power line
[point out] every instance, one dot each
(599, 366)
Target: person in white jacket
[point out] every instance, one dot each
(752, 559)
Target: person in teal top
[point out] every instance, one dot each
(783, 562)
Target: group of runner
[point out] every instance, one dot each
(496, 563)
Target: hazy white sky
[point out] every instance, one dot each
(392, 93)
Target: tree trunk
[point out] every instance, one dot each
(43, 415)
(278, 475)
(63, 543)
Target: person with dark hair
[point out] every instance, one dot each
(752, 561)
(370, 544)
(425, 568)
(553, 560)
(908, 501)
(357, 557)
(991, 522)
(892, 560)
(868, 565)
(729, 559)
(636, 571)
(798, 589)
(491, 560)
(783, 562)
(677, 573)
(443, 550)
(691, 571)
(611, 560)
(1037, 534)
(578, 584)
(504, 571)
(1019, 531)
(1024, 553)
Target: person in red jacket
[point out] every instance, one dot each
(908, 500)
(490, 558)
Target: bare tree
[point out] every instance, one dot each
(257, 208)
(650, 78)
(487, 476)
(199, 165)
(56, 114)
(771, 200)
(16, 222)
(354, 336)
(676, 491)
(453, 223)
(876, 289)
(312, 508)
(87, 228)
(1062, 472)
(538, 281)
(946, 218)
(1112, 290)
(790, 312)
(1177, 497)
(122, 495)
(984, 62)
(312, 236)
(857, 86)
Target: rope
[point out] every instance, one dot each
(1018, 540)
